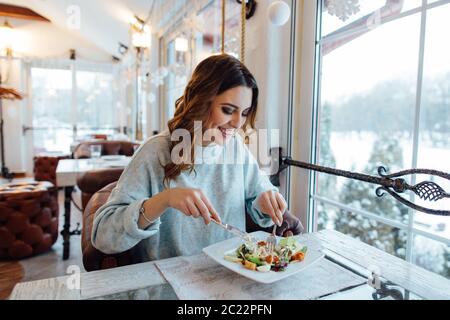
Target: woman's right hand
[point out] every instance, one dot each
(192, 202)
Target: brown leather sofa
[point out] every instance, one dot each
(28, 219)
(94, 259)
(109, 147)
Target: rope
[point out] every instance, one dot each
(243, 18)
(223, 26)
(75, 204)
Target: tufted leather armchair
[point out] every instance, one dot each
(28, 219)
(44, 167)
(94, 259)
(111, 147)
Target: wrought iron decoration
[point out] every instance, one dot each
(394, 183)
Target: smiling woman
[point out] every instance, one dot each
(165, 185)
(219, 84)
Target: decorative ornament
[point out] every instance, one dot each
(157, 77)
(342, 9)
(151, 97)
(279, 13)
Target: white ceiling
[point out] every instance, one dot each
(104, 23)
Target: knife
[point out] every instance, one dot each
(235, 231)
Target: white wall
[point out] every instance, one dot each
(45, 40)
(268, 58)
(13, 116)
(303, 100)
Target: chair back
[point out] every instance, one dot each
(94, 259)
(94, 180)
(109, 148)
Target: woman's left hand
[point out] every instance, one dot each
(273, 204)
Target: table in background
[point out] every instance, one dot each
(67, 173)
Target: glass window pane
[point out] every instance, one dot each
(203, 32)
(368, 97)
(389, 239)
(367, 111)
(51, 100)
(434, 137)
(176, 79)
(95, 103)
(344, 15)
(209, 37)
(432, 255)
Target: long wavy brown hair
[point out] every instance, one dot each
(212, 77)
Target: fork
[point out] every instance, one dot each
(271, 240)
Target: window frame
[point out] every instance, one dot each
(73, 67)
(306, 120)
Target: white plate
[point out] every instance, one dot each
(219, 250)
(113, 158)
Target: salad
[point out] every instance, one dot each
(256, 256)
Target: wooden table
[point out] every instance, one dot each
(125, 282)
(67, 173)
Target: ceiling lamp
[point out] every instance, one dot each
(279, 13)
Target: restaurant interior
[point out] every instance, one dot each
(353, 111)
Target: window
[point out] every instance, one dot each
(69, 103)
(203, 35)
(95, 101)
(383, 98)
(52, 122)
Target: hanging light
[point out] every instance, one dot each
(279, 13)
(6, 39)
(181, 44)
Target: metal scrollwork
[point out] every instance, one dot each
(394, 183)
(425, 190)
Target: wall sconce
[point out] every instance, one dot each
(6, 39)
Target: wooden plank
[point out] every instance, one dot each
(7, 10)
(116, 280)
(47, 289)
(107, 282)
(11, 273)
(422, 282)
(201, 278)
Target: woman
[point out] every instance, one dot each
(171, 182)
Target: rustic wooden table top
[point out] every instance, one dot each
(344, 251)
